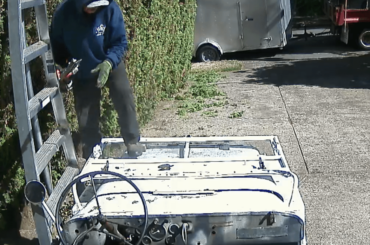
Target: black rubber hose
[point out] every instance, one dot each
(92, 174)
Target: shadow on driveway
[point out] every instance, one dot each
(330, 45)
(347, 72)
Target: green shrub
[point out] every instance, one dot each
(160, 36)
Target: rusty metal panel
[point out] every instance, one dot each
(201, 190)
(261, 232)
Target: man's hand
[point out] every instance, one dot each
(104, 69)
(65, 81)
(64, 75)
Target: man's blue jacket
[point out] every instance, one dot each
(92, 38)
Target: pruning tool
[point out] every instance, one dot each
(65, 75)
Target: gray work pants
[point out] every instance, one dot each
(87, 105)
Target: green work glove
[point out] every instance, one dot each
(104, 69)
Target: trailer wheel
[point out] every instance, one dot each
(208, 53)
(364, 39)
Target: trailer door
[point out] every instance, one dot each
(253, 17)
(277, 17)
(217, 22)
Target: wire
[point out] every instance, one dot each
(64, 193)
(117, 237)
(96, 195)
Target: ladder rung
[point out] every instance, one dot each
(31, 3)
(48, 150)
(66, 178)
(35, 50)
(40, 100)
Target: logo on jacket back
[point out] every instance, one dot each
(100, 30)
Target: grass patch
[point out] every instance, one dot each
(237, 114)
(202, 93)
(217, 66)
(210, 113)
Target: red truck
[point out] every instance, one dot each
(350, 19)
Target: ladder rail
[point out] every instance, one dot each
(36, 154)
(21, 110)
(34, 120)
(19, 86)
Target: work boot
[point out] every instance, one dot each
(135, 150)
(81, 162)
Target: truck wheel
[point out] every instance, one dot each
(364, 39)
(208, 53)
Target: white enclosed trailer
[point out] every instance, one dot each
(225, 26)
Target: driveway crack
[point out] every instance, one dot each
(294, 130)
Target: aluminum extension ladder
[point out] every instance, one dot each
(35, 154)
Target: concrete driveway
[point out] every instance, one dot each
(315, 96)
(328, 102)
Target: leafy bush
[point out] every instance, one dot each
(160, 44)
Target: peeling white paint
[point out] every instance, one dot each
(204, 181)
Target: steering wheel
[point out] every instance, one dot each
(100, 217)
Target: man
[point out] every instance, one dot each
(94, 31)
